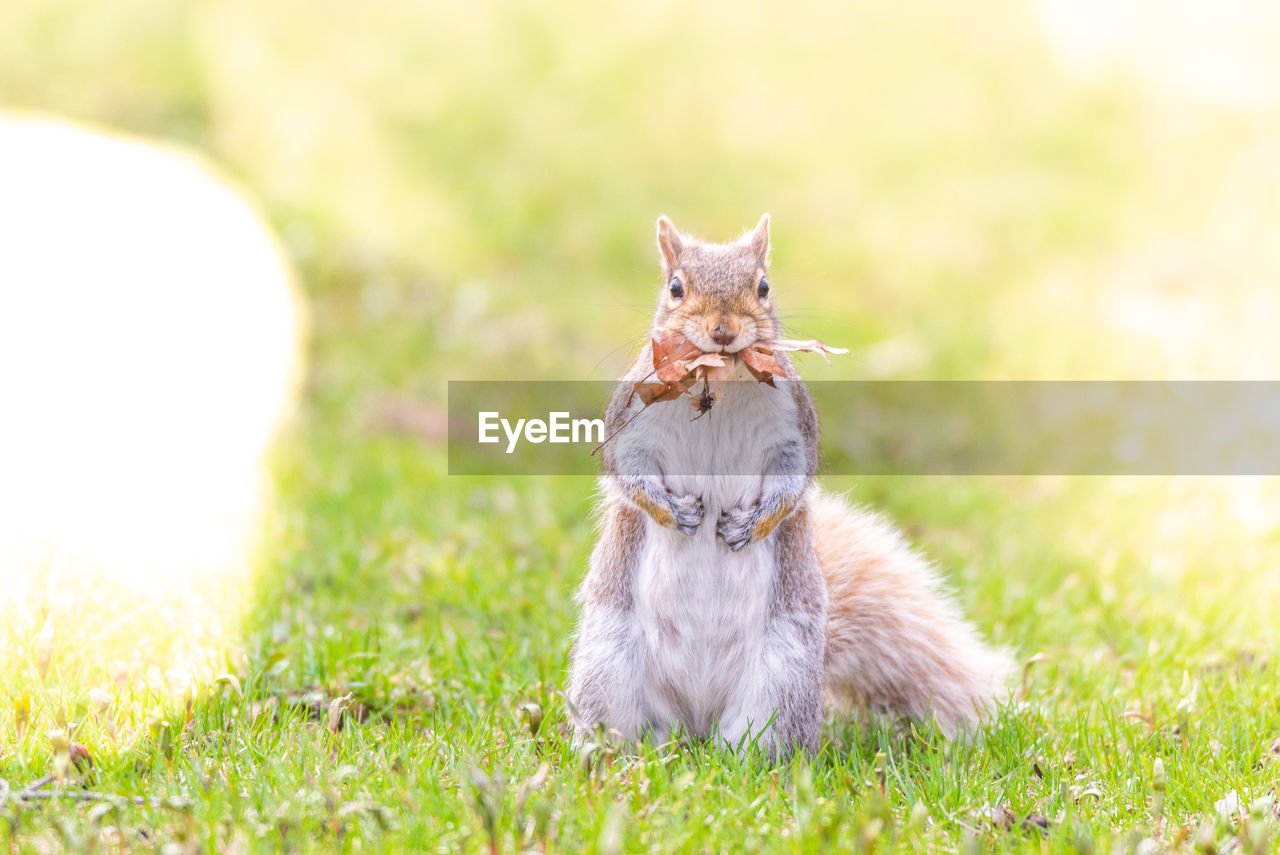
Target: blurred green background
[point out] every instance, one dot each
(477, 182)
(468, 191)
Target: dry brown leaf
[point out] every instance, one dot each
(761, 364)
(679, 365)
(999, 817)
(653, 392)
(673, 348)
(720, 373)
(81, 757)
(710, 360)
(337, 707)
(672, 374)
(809, 345)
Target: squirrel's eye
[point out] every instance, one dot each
(762, 290)
(677, 288)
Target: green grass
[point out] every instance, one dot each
(469, 192)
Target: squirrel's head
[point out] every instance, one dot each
(716, 294)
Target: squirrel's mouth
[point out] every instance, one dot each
(704, 342)
(740, 343)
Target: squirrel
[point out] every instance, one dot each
(726, 597)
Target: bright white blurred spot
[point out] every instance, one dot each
(149, 349)
(1221, 51)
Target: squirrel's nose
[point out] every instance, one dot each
(723, 335)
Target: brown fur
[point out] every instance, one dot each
(894, 641)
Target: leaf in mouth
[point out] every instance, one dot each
(678, 364)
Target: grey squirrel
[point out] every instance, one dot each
(726, 596)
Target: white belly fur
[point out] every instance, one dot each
(702, 608)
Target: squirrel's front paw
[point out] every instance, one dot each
(736, 526)
(686, 514)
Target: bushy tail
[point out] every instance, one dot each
(896, 642)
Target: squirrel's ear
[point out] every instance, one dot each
(758, 241)
(669, 242)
